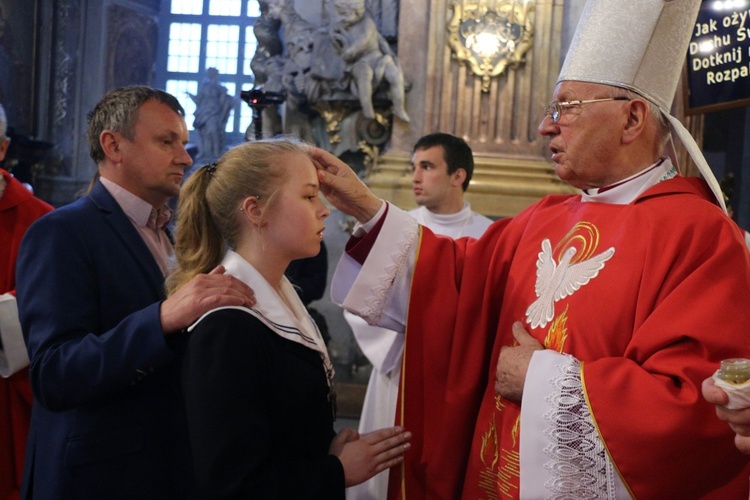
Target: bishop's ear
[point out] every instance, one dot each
(638, 114)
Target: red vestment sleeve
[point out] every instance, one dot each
(359, 247)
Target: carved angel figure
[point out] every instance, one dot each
(367, 56)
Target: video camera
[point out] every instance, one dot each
(260, 98)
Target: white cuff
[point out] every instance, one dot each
(362, 229)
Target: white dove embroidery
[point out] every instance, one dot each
(557, 281)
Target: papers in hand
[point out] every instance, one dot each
(13, 355)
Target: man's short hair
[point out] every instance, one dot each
(3, 123)
(456, 153)
(118, 112)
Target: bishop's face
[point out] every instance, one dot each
(585, 139)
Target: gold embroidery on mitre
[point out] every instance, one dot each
(564, 270)
(557, 333)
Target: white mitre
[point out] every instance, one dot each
(640, 45)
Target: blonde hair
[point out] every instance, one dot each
(209, 206)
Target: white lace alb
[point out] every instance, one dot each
(578, 463)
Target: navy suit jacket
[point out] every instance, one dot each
(108, 418)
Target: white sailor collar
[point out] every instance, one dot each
(295, 324)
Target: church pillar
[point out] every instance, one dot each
(89, 47)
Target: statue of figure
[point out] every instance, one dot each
(266, 65)
(300, 37)
(212, 107)
(367, 56)
(293, 75)
(323, 68)
(267, 32)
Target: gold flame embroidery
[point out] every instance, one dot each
(489, 452)
(557, 333)
(584, 236)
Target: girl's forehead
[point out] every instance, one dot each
(300, 171)
(294, 158)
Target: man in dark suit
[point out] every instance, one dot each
(103, 341)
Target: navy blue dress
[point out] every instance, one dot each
(259, 418)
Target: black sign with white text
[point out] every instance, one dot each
(718, 65)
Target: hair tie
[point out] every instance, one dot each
(210, 168)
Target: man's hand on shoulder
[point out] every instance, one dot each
(201, 294)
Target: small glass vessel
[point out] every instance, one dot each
(735, 370)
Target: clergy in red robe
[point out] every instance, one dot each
(561, 355)
(634, 302)
(18, 209)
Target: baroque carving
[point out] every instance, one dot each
(341, 75)
(66, 10)
(66, 26)
(132, 48)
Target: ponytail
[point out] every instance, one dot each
(199, 247)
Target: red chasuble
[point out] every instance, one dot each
(18, 209)
(671, 300)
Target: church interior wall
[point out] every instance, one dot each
(60, 56)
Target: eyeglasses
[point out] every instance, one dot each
(555, 108)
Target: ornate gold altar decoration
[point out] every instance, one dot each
(372, 153)
(332, 116)
(491, 35)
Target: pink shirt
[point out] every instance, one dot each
(140, 214)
